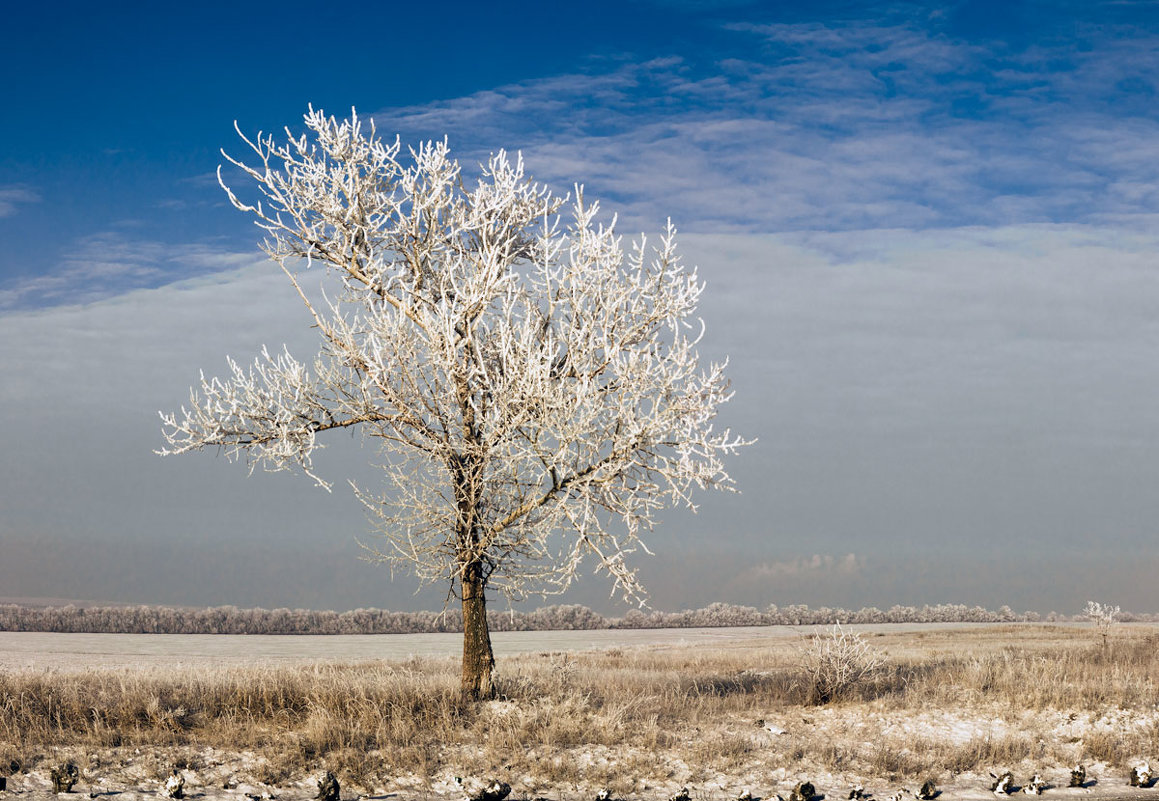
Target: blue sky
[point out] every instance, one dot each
(928, 230)
(726, 116)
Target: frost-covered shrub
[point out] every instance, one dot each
(835, 663)
(1104, 616)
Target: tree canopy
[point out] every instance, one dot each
(535, 386)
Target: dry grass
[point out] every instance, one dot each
(949, 702)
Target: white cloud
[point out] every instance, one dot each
(109, 264)
(834, 127)
(806, 567)
(938, 393)
(12, 196)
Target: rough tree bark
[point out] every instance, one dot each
(466, 474)
(478, 658)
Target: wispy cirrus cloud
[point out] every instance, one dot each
(13, 196)
(837, 127)
(883, 123)
(109, 264)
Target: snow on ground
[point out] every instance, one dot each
(137, 774)
(790, 746)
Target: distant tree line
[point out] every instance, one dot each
(566, 617)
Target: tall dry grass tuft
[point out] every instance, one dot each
(607, 718)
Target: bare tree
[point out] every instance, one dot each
(537, 391)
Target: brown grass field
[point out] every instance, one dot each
(950, 705)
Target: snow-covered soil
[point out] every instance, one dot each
(834, 747)
(138, 774)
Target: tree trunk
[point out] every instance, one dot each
(478, 659)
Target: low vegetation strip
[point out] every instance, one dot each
(947, 705)
(76, 619)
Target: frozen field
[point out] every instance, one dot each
(642, 712)
(63, 651)
(79, 651)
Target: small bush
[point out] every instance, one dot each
(1104, 616)
(836, 663)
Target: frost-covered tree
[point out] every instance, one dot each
(1104, 616)
(536, 390)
